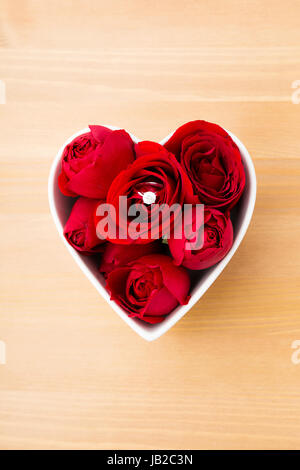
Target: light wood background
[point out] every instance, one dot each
(76, 376)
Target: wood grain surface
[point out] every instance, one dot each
(76, 377)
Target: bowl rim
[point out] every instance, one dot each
(152, 332)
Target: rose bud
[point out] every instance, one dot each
(80, 229)
(115, 256)
(212, 161)
(149, 288)
(92, 160)
(216, 241)
(155, 180)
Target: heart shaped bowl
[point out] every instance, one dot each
(61, 205)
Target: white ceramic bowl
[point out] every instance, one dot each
(60, 207)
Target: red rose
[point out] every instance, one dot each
(80, 229)
(92, 160)
(115, 256)
(212, 161)
(149, 288)
(157, 173)
(217, 241)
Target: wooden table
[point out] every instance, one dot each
(76, 376)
